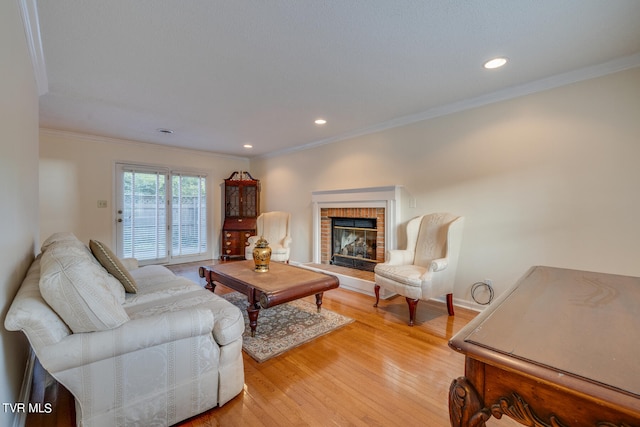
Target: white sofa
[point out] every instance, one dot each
(151, 358)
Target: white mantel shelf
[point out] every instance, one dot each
(390, 192)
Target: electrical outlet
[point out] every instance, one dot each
(102, 203)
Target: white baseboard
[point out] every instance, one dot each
(462, 303)
(351, 283)
(366, 287)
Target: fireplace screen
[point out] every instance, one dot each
(354, 242)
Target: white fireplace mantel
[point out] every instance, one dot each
(389, 197)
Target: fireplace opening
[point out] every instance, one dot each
(354, 242)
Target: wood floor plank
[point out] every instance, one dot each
(376, 371)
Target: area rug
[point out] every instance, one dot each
(284, 326)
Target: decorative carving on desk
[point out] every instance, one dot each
(465, 408)
(521, 412)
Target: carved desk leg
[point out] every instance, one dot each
(465, 407)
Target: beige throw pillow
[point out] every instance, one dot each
(113, 265)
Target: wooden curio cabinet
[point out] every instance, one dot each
(242, 207)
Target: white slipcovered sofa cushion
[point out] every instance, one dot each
(83, 294)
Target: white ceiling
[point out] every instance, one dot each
(229, 72)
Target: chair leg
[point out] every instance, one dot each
(413, 303)
(450, 304)
(376, 289)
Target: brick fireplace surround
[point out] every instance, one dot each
(325, 228)
(383, 203)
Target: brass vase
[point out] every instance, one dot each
(262, 255)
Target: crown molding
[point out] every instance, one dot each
(29, 12)
(130, 142)
(599, 70)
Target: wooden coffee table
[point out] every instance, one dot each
(559, 349)
(282, 283)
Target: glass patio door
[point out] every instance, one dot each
(188, 215)
(161, 214)
(142, 213)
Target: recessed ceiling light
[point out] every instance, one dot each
(248, 146)
(163, 130)
(495, 63)
(320, 122)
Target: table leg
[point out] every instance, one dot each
(253, 318)
(319, 301)
(253, 309)
(206, 274)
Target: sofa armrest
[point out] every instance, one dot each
(129, 263)
(85, 348)
(286, 241)
(399, 257)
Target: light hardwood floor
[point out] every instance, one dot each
(376, 371)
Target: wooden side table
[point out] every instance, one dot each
(559, 349)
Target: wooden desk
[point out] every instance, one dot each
(282, 283)
(560, 348)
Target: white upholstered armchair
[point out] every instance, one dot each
(274, 227)
(427, 268)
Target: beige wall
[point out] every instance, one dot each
(78, 170)
(549, 178)
(19, 189)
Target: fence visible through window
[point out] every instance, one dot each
(156, 220)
